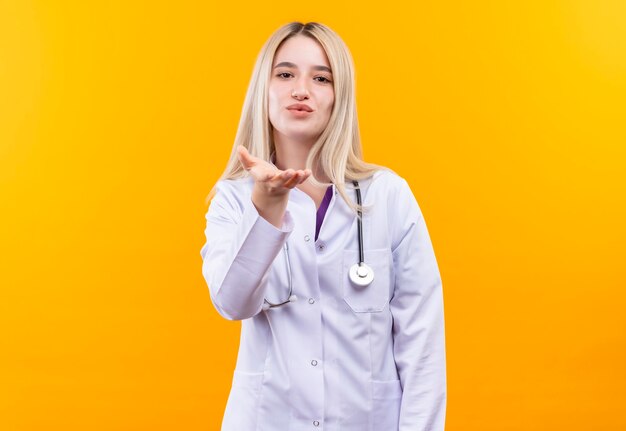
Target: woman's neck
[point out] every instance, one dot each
(292, 154)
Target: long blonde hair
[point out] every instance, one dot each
(337, 152)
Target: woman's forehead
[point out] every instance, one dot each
(301, 51)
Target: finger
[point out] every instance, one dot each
(282, 177)
(245, 158)
(272, 175)
(305, 175)
(286, 175)
(293, 181)
(301, 176)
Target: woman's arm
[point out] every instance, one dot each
(245, 231)
(239, 250)
(418, 322)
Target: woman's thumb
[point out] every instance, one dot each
(244, 157)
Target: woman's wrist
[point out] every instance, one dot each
(270, 206)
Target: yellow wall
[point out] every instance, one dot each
(116, 118)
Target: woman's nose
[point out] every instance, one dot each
(300, 94)
(300, 90)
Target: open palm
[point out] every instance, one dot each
(272, 179)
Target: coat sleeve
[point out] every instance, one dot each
(239, 250)
(418, 322)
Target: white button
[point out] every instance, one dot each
(316, 423)
(314, 362)
(311, 301)
(321, 246)
(307, 238)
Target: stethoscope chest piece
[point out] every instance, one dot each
(361, 274)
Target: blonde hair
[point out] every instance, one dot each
(337, 152)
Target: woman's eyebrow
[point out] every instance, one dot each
(293, 66)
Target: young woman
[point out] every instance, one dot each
(326, 259)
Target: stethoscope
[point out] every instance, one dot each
(360, 273)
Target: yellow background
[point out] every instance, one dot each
(116, 118)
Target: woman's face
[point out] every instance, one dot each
(301, 94)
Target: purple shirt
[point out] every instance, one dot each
(321, 211)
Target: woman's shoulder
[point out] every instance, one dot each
(233, 192)
(392, 189)
(387, 180)
(234, 185)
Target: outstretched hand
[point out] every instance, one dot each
(268, 177)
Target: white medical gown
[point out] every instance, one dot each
(342, 357)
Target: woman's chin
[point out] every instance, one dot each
(299, 135)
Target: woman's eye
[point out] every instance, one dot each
(284, 75)
(322, 79)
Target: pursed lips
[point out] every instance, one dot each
(300, 107)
